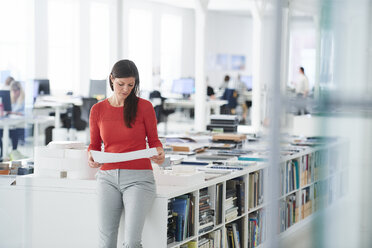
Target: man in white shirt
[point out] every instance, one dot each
(302, 91)
(302, 85)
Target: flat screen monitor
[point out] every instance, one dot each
(41, 87)
(3, 76)
(247, 80)
(184, 86)
(5, 98)
(97, 89)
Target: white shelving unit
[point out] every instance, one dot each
(331, 175)
(63, 213)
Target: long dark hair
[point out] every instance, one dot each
(124, 69)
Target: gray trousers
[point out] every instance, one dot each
(130, 190)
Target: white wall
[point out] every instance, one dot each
(225, 34)
(231, 35)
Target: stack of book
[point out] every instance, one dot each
(231, 138)
(224, 123)
(206, 243)
(233, 209)
(4, 169)
(206, 214)
(232, 236)
(256, 190)
(255, 229)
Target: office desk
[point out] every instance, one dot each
(58, 104)
(7, 123)
(19, 121)
(190, 104)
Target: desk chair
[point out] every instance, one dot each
(70, 120)
(160, 112)
(85, 112)
(232, 101)
(88, 103)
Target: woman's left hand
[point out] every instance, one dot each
(159, 159)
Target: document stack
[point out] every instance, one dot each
(224, 123)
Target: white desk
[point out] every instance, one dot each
(188, 103)
(7, 123)
(58, 104)
(19, 121)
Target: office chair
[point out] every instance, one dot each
(160, 112)
(231, 96)
(88, 103)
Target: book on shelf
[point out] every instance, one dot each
(233, 235)
(256, 189)
(219, 203)
(216, 237)
(256, 233)
(206, 213)
(288, 212)
(206, 243)
(190, 244)
(290, 179)
(183, 210)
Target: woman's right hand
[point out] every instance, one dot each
(91, 162)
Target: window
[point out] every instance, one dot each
(302, 53)
(17, 37)
(171, 47)
(140, 45)
(63, 38)
(99, 41)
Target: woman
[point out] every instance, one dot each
(122, 122)
(17, 97)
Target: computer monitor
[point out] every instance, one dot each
(247, 80)
(184, 86)
(3, 76)
(41, 87)
(5, 98)
(97, 89)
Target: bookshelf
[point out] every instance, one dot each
(232, 207)
(310, 181)
(321, 178)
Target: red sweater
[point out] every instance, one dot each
(107, 125)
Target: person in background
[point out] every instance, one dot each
(241, 88)
(302, 84)
(17, 97)
(7, 83)
(122, 123)
(210, 90)
(230, 94)
(225, 83)
(302, 91)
